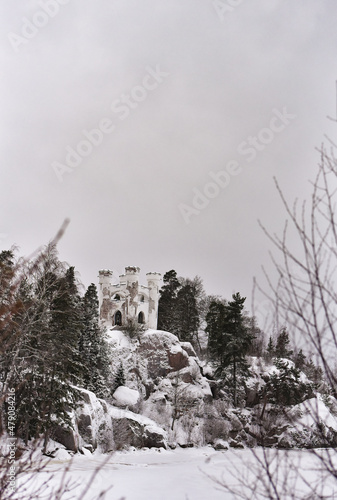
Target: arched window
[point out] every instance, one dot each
(141, 318)
(141, 299)
(116, 297)
(118, 318)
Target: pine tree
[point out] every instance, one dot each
(201, 302)
(282, 343)
(168, 301)
(237, 340)
(230, 340)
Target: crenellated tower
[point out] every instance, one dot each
(153, 284)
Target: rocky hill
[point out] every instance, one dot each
(170, 398)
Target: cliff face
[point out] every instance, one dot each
(167, 375)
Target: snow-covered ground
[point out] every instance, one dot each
(187, 474)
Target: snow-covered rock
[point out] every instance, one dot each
(220, 444)
(99, 425)
(312, 424)
(124, 396)
(136, 430)
(163, 353)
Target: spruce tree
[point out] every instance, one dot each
(300, 360)
(119, 378)
(63, 368)
(93, 347)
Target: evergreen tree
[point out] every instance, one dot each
(257, 345)
(284, 387)
(201, 305)
(214, 328)
(282, 345)
(300, 360)
(237, 340)
(230, 340)
(119, 378)
(63, 368)
(8, 307)
(313, 372)
(186, 314)
(167, 302)
(93, 347)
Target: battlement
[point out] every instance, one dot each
(132, 270)
(105, 272)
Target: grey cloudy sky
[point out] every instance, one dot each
(66, 67)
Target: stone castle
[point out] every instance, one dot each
(127, 299)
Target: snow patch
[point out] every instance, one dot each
(117, 339)
(125, 396)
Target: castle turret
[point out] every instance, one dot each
(131, 275)
(153, 282)
(104, 281)
(132, 286)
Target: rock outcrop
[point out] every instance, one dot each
(97, 424)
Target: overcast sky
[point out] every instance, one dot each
(178, 87)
